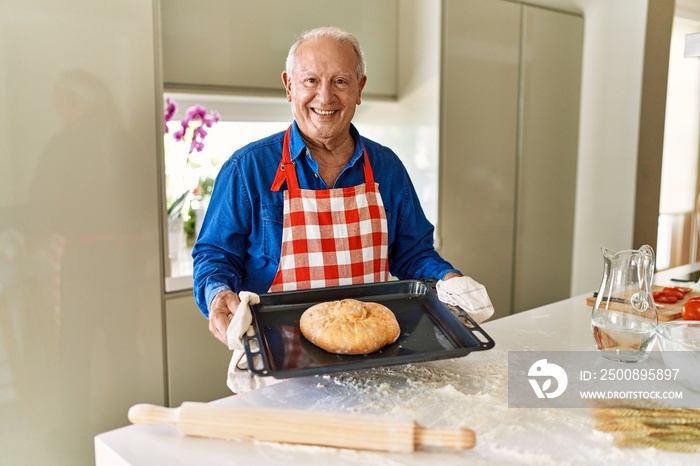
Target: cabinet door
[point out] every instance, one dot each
(479, 127)
(197, 362)
(510, 104)
(242, 46)
(546, 189)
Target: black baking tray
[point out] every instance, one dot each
(430, 330)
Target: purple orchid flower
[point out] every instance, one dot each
(199, 113)
(170, 109)
(193, 114)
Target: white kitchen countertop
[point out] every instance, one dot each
(471, 392)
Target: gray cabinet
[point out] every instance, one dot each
(197, 362)
(509, 143)
(241, 46)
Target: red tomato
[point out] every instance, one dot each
(691, 310)
(665, 299)
(670, 291)
(683, 289)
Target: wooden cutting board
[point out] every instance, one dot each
(666, 312)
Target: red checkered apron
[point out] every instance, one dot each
(330, 237)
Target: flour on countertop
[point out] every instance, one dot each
(469, 392)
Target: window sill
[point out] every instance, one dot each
(173, 284)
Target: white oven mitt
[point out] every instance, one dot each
(241, 321)
(468, 294)
(238, 378)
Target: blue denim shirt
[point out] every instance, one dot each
(240, 241)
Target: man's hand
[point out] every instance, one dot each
(221, 310)
(466, 293)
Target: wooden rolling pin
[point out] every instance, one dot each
(340, 430)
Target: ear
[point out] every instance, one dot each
(363, 81)
(287, 80)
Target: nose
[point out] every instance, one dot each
(326, 91)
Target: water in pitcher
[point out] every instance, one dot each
(626, 338)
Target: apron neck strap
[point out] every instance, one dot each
(369, 176)
(287, 172)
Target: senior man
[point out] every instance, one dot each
(317, 205)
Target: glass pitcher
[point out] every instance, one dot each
(624, 317)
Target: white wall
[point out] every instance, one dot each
(610, 113)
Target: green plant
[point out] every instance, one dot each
(189, 226)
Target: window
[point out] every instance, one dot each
(189, 176)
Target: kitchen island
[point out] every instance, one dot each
(470, 392)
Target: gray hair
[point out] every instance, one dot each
(333, 33)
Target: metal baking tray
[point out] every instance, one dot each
(430, 330)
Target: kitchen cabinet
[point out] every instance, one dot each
(509, 141)
(80, 285)
(228, 46)
(197, 362)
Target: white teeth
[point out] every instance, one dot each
(324, 112)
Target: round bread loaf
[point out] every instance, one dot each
(349, 326)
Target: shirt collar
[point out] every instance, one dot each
(297, 146)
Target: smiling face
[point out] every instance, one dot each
(324, 90)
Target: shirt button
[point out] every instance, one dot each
(316, 175)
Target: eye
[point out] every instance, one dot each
(310, 82)
(342, 83)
